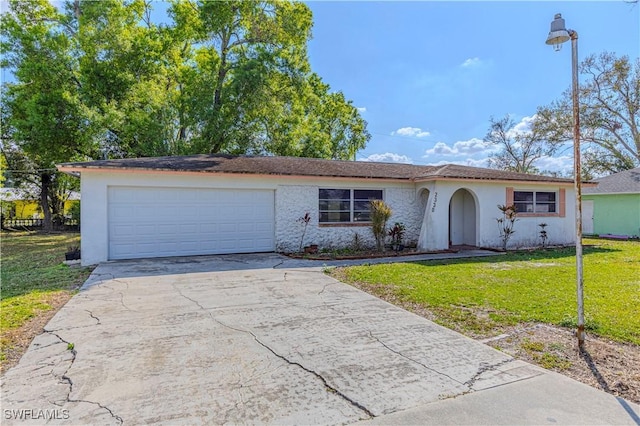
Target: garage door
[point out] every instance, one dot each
(158, 222)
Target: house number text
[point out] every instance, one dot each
(435, 201)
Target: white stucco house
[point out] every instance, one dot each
(214, 204)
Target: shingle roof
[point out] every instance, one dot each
(296, 166)
(627, 182)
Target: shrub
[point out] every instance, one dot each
(506, 222)
(380, 214)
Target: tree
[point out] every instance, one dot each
(101, 80)
(240, 45)
(248, 85)
(44, 120)
(313, 122)
(518, 149)
(125, 73)
(609, 114)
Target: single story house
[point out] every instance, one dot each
(613, 206)
(214, 204)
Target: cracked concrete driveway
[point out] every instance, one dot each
(239, 339)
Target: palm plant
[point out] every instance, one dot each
(380, 214)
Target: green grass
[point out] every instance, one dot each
(478, 295)
(33, 275)
(546, 356)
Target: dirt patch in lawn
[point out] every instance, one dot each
(16, 341)
(611, 366)
(608, 365)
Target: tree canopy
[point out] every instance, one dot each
(517, 150)
(609, 114)
(101, 79)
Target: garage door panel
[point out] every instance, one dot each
(208, 228)
(188, 228)
(263, 227)
(124, 195)
(122, 230)
(155, 222)
(122, 211)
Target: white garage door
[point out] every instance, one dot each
(157, 222)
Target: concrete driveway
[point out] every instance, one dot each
(264, 339)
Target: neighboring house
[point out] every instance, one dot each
(613, 206)
(212, 204)
(20, 204)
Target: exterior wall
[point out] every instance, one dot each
(28, 210)
(293, 201)
(617, 214)
(422, 207)
(94, 189)
(434, 233)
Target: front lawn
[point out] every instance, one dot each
(35, 283)
(479, 296)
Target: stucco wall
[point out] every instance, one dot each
(295, 196)
(293, 201)
(434, 233)
(617, 214)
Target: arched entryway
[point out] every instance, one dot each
(462, 219)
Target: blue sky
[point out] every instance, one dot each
(429, 75)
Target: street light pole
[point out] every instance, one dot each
(558, 35)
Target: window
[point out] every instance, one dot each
(346, 205)
(534, 202)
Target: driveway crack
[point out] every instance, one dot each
(308, 370)
(93, 316)
(413, 360)
(65, 378)
(282, 357)
(484, 367)
(377, 339)
(325, 287)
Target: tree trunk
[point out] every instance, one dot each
(218, 143)
(45, 187)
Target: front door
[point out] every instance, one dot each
(462, 219)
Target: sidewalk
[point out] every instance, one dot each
(549, 398)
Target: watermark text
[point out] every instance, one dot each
(35, 414)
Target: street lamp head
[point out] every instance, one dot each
(558, 33)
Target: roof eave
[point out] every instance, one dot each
(496, 180)
(76, 171)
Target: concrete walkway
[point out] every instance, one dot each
(264, 339)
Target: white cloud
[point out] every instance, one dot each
(469, 147)
(522, 127)
(415, 132)
(471, 62)
(361, 109)
(388, 157)
(562, 164)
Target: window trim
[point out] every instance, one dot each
(560, 202)
(352, 201)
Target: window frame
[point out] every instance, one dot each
(352, 206)
(536, 204)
